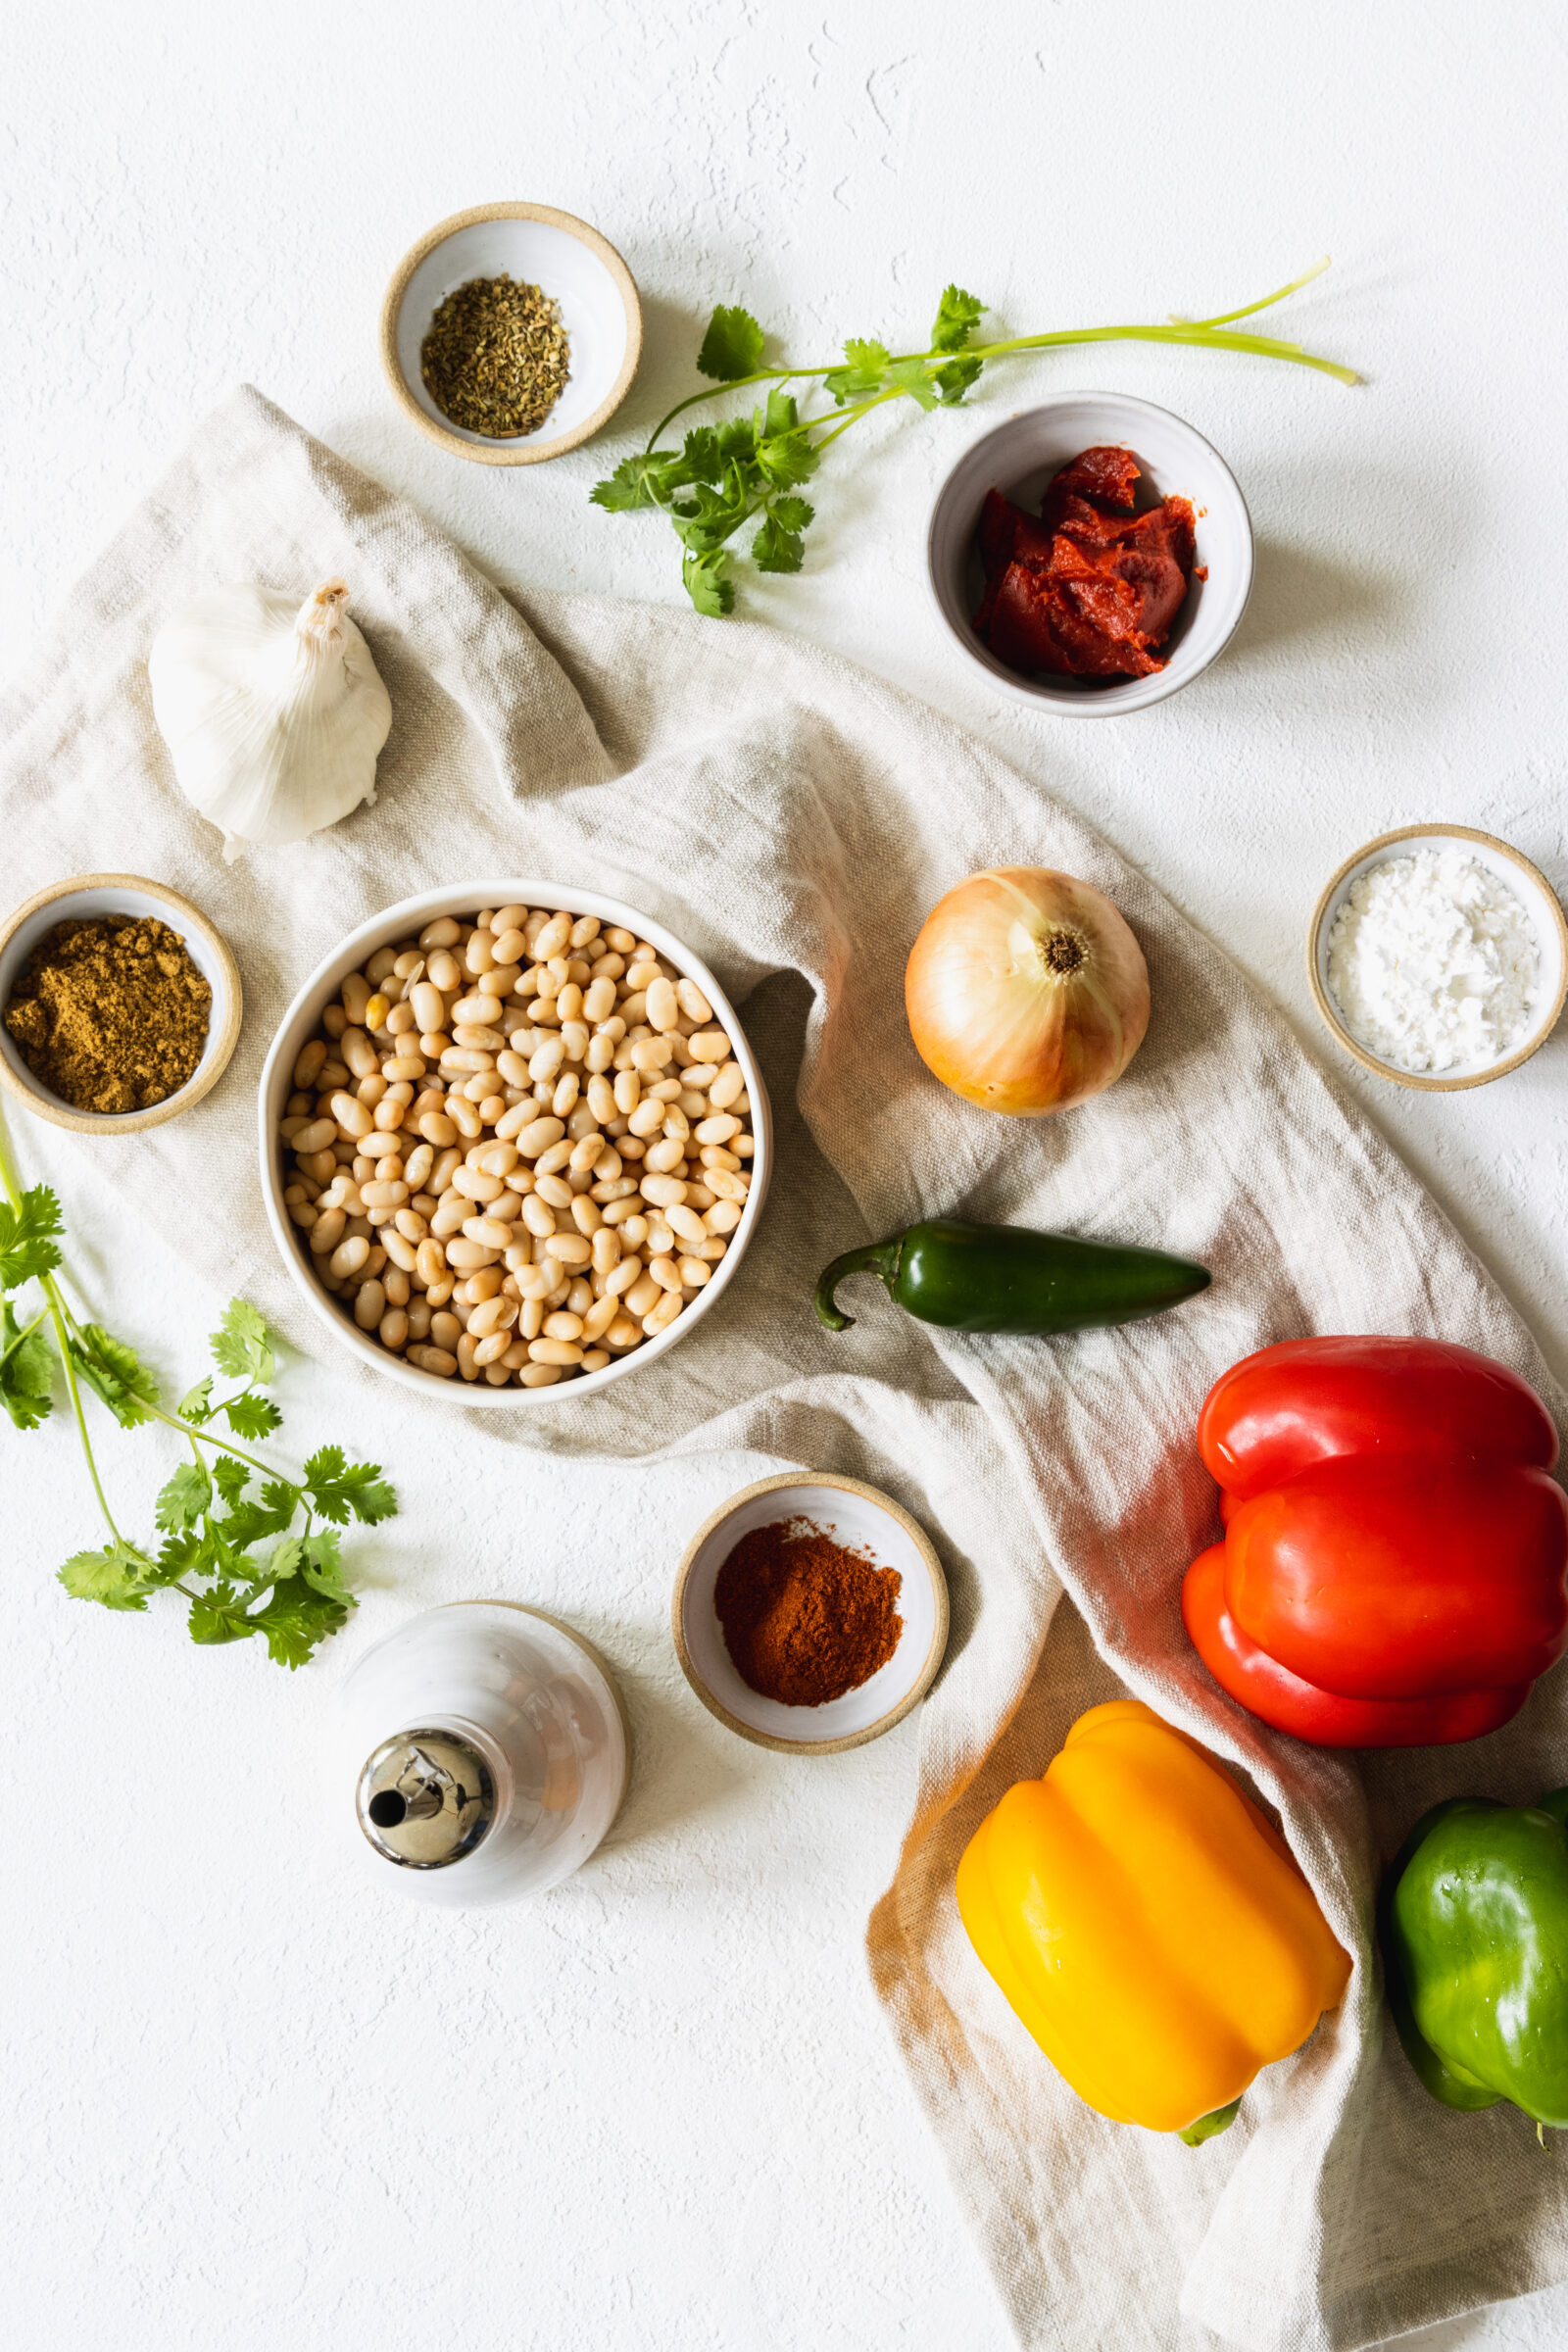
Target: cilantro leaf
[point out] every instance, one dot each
(243, 1346)
(249, 1521)
(732, 346)
(251, 1416)
(295, 1620)
(863, 373)
(777, 546)
(26, 1371)
(185, 1553)
(338, 1489)
(700, 458)
(220, 1616)
(708, 518)
(784, 455)
(115, 1372)
(785, 458)
(183, 1500)
(954, 380)
(322, 1564)
(737, 442)
(289, 1557)
(707, 581)
(911, 376)
(639, 481)
(196, 1405)
(27, 1237)
(958, 316)
(116, 1576)
(230, 1478)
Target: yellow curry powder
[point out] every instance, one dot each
(110, 1012)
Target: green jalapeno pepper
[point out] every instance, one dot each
(1008, 1278)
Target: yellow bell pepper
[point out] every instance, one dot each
(1148, 1924)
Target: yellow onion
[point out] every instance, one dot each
(1026, 992)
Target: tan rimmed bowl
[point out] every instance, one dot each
(1528, 884)
(852, 1514)
(79, 899)
(566, 259)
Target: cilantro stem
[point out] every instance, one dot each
(207, 1436)
(186, 1429)
(1246, 312)
(57, 1312)
(1199, 333)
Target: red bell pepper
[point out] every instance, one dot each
(1394, 1567)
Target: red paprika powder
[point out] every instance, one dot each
(804, 1618)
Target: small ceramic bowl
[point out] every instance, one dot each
(1528, 884)
(88, 895)
(854, 1515)
(1019, 458)
(569, 261)
(406, 919)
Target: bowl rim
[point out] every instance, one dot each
(1134, 694)
(939, 1593)
(526, 452)
(1415, 1079)
(377, 930)
(216, 1053)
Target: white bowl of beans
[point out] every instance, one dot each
(514, 1142)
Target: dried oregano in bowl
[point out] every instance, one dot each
(496, 358)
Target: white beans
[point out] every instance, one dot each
(517, 1146)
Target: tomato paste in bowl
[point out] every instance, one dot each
(1093, 555)
(1092, 588)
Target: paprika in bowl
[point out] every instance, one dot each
(792, 1588)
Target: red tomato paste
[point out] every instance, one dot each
(1092, 588)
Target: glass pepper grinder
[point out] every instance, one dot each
(487, 1752)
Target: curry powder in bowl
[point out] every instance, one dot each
(110, 1012)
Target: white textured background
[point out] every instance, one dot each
(250, 2103)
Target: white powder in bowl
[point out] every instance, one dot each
(1434, 964)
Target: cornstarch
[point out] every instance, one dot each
(1434, 963)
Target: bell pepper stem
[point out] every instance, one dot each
(1208, 2127)
(876, 1258)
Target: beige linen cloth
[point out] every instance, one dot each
(794, 819)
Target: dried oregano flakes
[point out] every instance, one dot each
(496, 358)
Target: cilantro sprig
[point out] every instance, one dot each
(723, 478)
(249, 1558)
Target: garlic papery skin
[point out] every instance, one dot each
(272, 711)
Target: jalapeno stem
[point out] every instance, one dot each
(878, 1258)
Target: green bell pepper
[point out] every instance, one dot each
(1008, 1278)
(1473, 1921)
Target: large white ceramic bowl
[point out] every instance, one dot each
(1018, 458)
(542, 247)
(299, 1023)
(1528, 884)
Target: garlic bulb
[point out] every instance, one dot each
(274, 714)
